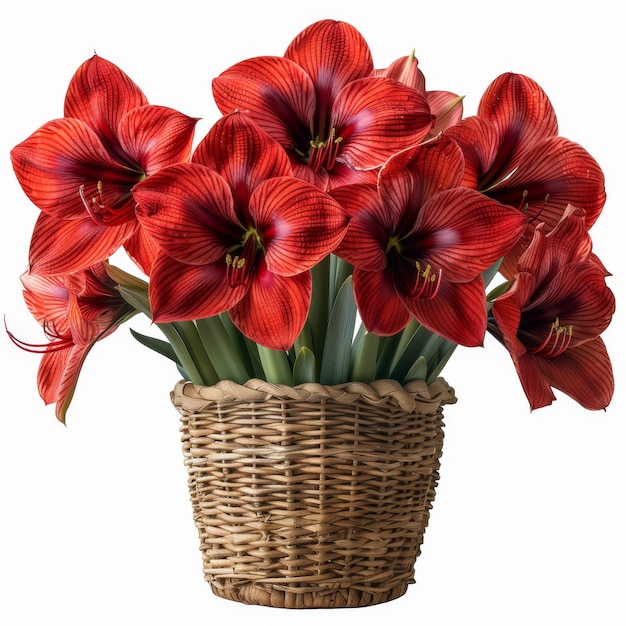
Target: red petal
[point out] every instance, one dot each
(298, 224)
(274, 310)
(277, 93)
(333, 54)
(447, 108)
(180, 292)
(377, 117)
(584, 373)
(188, 210)
(578, 295)
(156, 136)
(142, 250)
(457, 313)
(415, 174)
(380, 308)
(520, 109)
(555, 173)
(58, 159)
(405, 70)
(58, 375)
(480, 142)
(464, 232)
(535, 385)
(243, 154)
(99, 94)
(371, 225)
(62, 246)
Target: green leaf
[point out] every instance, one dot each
(225, 356)
(445, 351)
(318, 310)
(498, 291)
(490, 272)
(388, 355)
(339, 335)
(423, 343)
(364, 355)
(418, 371)
(275, 366)
(123, 278)
(182, 336)
(304, 339)
(158, 345)
(137, 297)
(304, 367)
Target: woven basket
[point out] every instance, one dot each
(313, 496)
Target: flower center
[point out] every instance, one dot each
(324, 153)
(556, 342)
(102, 212)
(427, 282)
(240, 260)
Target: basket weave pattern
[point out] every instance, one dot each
(311, 496)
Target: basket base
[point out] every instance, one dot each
(306, 598)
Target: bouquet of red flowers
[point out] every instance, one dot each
(338, 223)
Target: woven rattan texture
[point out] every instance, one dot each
(311, 496)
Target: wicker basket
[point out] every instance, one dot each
(313, 496)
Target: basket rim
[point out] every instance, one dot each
(415, 394)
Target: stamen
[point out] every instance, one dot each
(427, 282)
(535, 217)
(113, 211)
(57, 341)
(324, 153)
(556, 342)
(240, 265)
(95, 207)
(523, 207)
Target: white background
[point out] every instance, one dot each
(95, 521)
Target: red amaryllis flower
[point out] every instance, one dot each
(79, 169)
(445, 106)
(238, 233)
(322, 103)
(419, 243)
(514, 154)
(75, 311)
(551, 318)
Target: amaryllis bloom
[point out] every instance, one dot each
(322, 103)
(445, 106)
(75, 311)
(79, 170)
(513, 153)
(551, 318)
(419, 242)
(238, 233)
